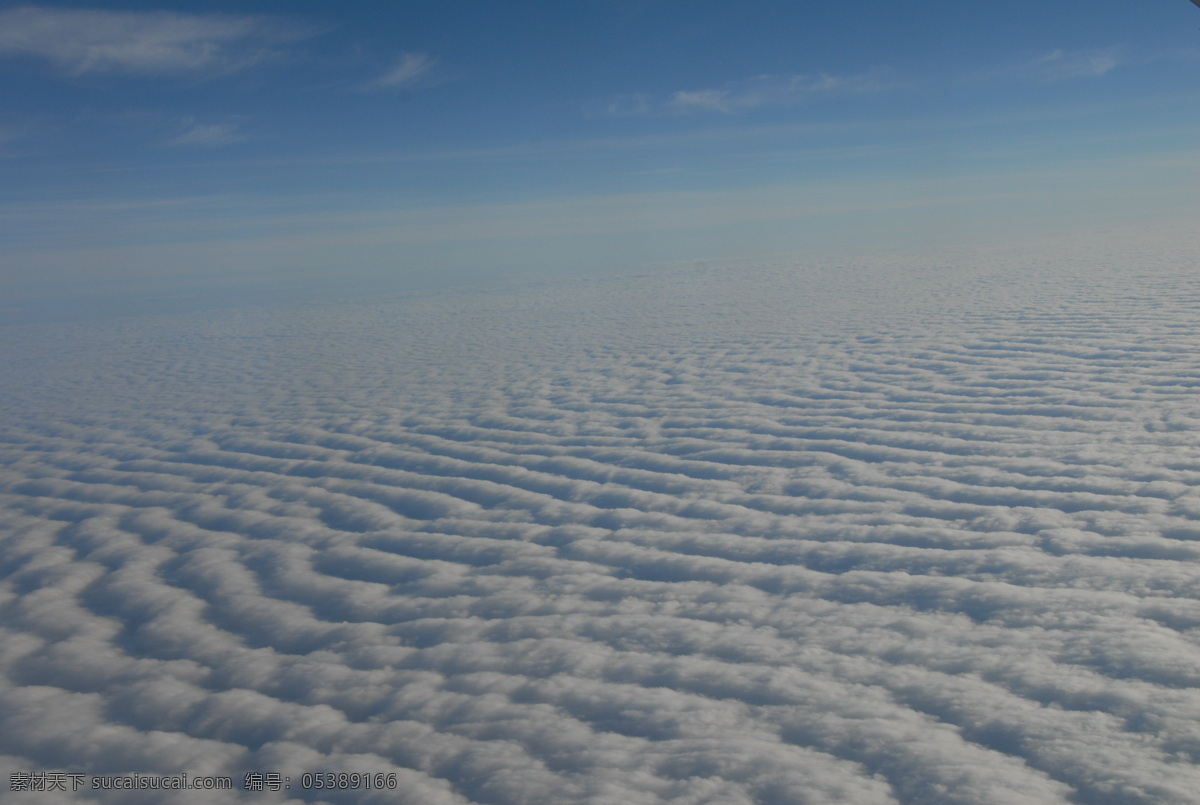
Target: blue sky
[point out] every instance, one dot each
(301, 142)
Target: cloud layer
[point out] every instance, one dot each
(904, 532)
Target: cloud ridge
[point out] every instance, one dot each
(870, 533)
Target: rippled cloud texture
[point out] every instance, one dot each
(890, 532)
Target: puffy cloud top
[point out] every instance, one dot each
(858, 534)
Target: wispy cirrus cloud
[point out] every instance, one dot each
(630, 105)
(1061, 65)
(774, 90)
(84, 41)
(410, 69)
(758, 92)
(207, 135)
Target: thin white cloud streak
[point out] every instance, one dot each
(410, 70)
(1060, 65)
(208, 135)
(770, 90)
(633, 104)
(764, 91)
(80, 42)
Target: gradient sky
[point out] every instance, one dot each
(289, 143)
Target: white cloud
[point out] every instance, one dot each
(708, 100)
(1060, 65)
(81, 42)
(895, 530)
(772, 90)
(410, 69)
(207, 135)
(759, 92)
(629, 105)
